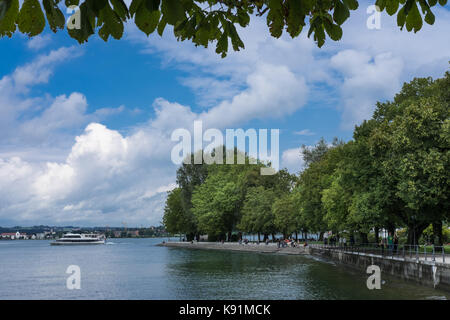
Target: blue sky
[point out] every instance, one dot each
(85, 130)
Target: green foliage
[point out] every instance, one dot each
(287, 219)
(8, 14)
(30, 19)
(55, 17)
(257, 215)
(205, 21)
(216, 203)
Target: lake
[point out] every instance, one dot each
(137, 269)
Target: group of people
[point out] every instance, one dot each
(390, 243)
(336, 240)
(289, 242)
(281, 243)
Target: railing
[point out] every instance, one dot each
(399, 251)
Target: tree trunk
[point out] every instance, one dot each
(266, 236)
(259, 236)
(321, 236)
(377, 235)
(437, 233)
(364, 238)
(415, 231)
(296, 235)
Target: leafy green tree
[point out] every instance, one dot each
(216, 203)
(315, 154)
(176, 219)
(315, 178)
(257, 215)
(286, 215)
(204, 21)
(413, 143)
(189, 176)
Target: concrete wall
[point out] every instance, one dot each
(428, 273)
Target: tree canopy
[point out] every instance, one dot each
(204, 21)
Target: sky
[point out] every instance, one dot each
(85, 130)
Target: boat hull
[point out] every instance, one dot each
(76, 243)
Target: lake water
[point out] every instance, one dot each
(137, 269)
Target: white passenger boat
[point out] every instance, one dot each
(74, 239)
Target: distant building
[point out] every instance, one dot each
(134, 233)
(40, 236)
(14, 235)
(117, 234)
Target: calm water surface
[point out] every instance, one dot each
(137, 269)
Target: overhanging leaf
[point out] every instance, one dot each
(173, 11)
(9, 11)
(31, 20)
(54, 15)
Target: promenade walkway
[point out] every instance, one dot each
(400, 254)
(403, 253)
(234, 246)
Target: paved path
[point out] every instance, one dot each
(272, 248)
(421, 257)
(234, 246)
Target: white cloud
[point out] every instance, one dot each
(106, 177)
(42, 68)
(292, 159)
(383, 60)
(21, 113)
(304, 132)
(38, 42)
(365, 80)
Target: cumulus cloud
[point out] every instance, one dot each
(22, 113)
(292, 159)
(365, 80)
(304, 132)
(105, 177)
(38, 42)
(382, 60)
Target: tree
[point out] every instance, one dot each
(315, 154)
(189, 176)
(412, 142)
(176, 219)
(312, 181)
(286, 215)
(203, 21)
(257, 215)
(216, 203)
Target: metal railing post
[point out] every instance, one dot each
(434, 258)
(417, 253)
(403, 252)
(425, 251)
(443, 254)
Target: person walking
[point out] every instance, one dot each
(395, 243)
(390, 242)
